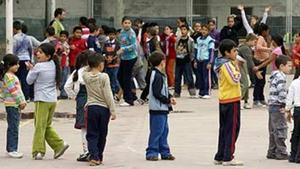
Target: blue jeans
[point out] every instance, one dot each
(183, 69)
(204, 78)
(158, 142)
(13, 120)
(22, 74)
(113, 76)
(65, 71)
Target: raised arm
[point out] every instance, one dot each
(244, 19)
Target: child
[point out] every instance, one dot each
(159, 107)
(14, 101)
(111, 47)
(293, 102)
(77, 45)
(185, 54)
(63, 50)
(229, 103)
(296, 56)
(100, 107)
(92, 41)
(75, 88)
(204, 60)
(50, 36)
(45, 76)
(84, 24)
(277, 99)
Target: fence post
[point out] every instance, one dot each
(9, 26)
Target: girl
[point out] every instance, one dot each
(45, 76)
(14, 101)
(75, 87)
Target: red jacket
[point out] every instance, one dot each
(295, 58)
(168, 45)
(80, 45)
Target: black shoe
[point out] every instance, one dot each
(176, 95)
(152, 158)
(84, 157)
(170, 157)
(271, 156)
(62, 97)
(282, 157)
(292, 159)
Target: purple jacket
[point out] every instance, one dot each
(215, 34)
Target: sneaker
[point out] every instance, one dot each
(282, 157)
(83, 157)
(15, 154)
(125, 104)
(142, 101)
(257, 104)
(152, 158)
(62, 97)
(62, 151)
(216, 162)
(170, 157)
(264, 103)
(206, 97)
(200, 96)
(194, 97)
(292, 159)
(38, 156)
(192, 92)
(94, 162)
(116, 98)
(271, 156)
(247, 106)
(176, 95)
(232, 163)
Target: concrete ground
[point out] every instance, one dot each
(193, 139)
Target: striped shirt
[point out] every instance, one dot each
(278, 89)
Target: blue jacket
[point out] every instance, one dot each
(127, 39)
(205, 48)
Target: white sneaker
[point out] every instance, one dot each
(38, 156)
(125, 104)
(216, 162)
(206, 97)
(194, 97)
(232, 163)
(247, 106)
(15, 154)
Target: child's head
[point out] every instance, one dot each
(284, 64)
(297, 38)
(111, 32)
(228, 49)
(50, 31)
(63, 36)
(204, 30)
(277, 41)
(77, 32)
(126, 23)
(263, 30)
(253, 20)
(230, 21)
(83, 21)
(197, 27)
(81, 61)
(94, 29)
(17, 26)
(184, 30)
(181, 21)
(96, 61)
(10, 63)
(251, 39)
(212, 24)
(157, 59)
(168, 30)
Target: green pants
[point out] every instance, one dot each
(43, 130)
(244, 81)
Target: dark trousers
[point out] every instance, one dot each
(126, 81)
(158, 138)
(13, 120)
(295, 140)
(229, 130)
(204, 77)
(113, 76)
(258, 92)
(97, 126)
(297, 72)
(22, 74)
(65, 71)
(214, 77)
(183, 69)
(145, 92)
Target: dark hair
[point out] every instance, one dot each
(156, 57)
(152, 31)
(111, 30)
(24, 28)
(50, 30)
(279, 41)
(64, 32)
(49, 50)
(92, 21)
(84, 21)
(95, 60)
(255, 17)
(169, 27)
(211, 21)
(9, 60)
(58, 11)
(93, 28)
(81, 61)
(184, 26)
(226, 45)
(104, 28)
(182, 19)
(125, 18)
(281, 60)
(77, 28)
(262, 27)
(205, 26)
(17, 25)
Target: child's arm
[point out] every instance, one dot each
(282, 92)
(108, 97)
(33, 74)
(132, 45)
(211, 48)
(290, 97)
(70, 86)
(265, 16)
(260, 47)
(14, 90)
(244, 19)
(231, 73)
(157, 86)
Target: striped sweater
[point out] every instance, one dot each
(278, 89)
(11, 91)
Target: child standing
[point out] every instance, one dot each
(204, 60)
(45, 76)
(93, 43)
(14, 101)
(75, 88)
(159, 106)
(229, 103)
(296, 56)
(277, 100)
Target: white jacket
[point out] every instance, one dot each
(72, 88)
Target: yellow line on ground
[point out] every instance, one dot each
(22, 124)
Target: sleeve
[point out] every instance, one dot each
(290, 97)
(223, 34)
(260, 47)
(35, 43)
(231, 73)
(157, 86)
(108, 95)
(15, 45)
(191, 49)
(33, 74)
(245, 23)
(55, 25)
(14, 90)
(69, 86)
(90, 44)
(248, 56)
(282, 92)
(132, 45)
(265, 17)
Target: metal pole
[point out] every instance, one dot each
(9, 26)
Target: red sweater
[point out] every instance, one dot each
(168, 45)
(295, 58)
(80, 45)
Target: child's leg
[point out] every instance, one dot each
(64, 74)
(164, 148)
(272, 145)
(296, 137)
(145, 92)
(200, 74)
(178, 77)
(13, 120)
(103, 128)
(84, 141)
(221, 141)
(190, 80)
(206, 78)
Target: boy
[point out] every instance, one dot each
(100, 107)
(184, 55)
(63, 50)
(293, 101)
(277, 98)
(229, 107)
(204, 60)
(92, 41)
(77, 45)
(159, 106)
(111, 47)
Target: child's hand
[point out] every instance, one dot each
(289, 116)
(241, 7)
(208, 66)
(113, 117)
(22, 106)
(268, 8)
(173, 101)
(195, 65)
(258, 75)
(29, 65)
(120, 51)
(72, 47)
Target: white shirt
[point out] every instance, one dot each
(72, 88)
(293, 97)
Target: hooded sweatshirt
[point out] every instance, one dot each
(278, 89)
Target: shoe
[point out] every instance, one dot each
(116, 98)
(176, 95)
(232, 163)
(264, 103)
(292, 159)
(282, 157)
(62, 97)
(38, 156)
(170, 157)
(271, 156)
(83, 157)
(257, 104)
(62, 151)
(28, 101)
(15, 154)
(206, 97)
(192, 92)
(152, 158)
(125, 104)
(194, 97)
(95, 162)
(142, 101)
(216, 162)
(247, 106)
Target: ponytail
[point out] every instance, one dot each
(283, 50)
(81, 61)
(8, 61)
(2, 70)
(57, 70)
